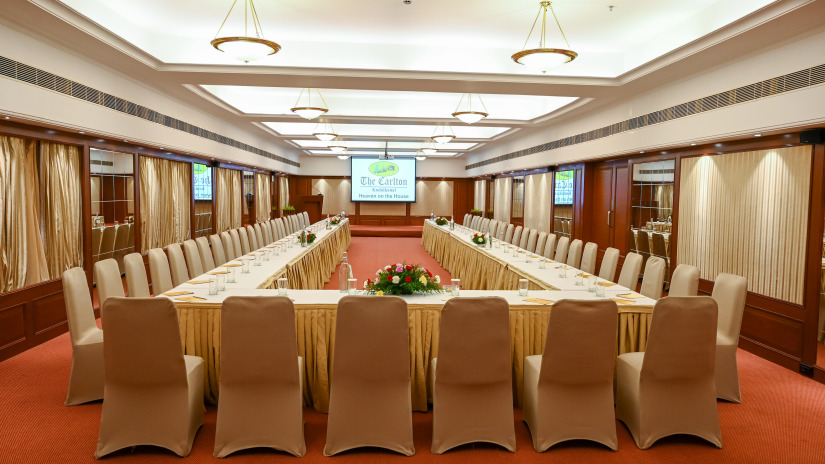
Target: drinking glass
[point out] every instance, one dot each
(257, 260)
(282, 286)
(592, 284)
(599, 290)
(542, 263)
(221, 282)
(562, 272)
(230, 278)
(528, 257)
(522, 287)
(213, 285)
(352, 286)
(245, 266)
(455, 286)
(579, 280)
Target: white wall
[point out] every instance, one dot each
(430, 167)
(786, 110)
(36, 104)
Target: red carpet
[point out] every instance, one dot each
(782, 419)
(385, 231)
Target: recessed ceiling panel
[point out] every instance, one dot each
(380, 145)
(461, 130)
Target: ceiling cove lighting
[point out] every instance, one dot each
(443, 134)
(306, 109)
(245, 48)
(543, 58)
(466, 113)
(324, 131)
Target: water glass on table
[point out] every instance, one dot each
(579, 279)
(213, 285)
(245, 266)
(591, 284)
(230, 278)
(563, 271)
(600, 290)
(221, 282)
(455, 286)
(352, 286)
(282, 286)
(522, 287)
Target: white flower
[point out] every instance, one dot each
(437, 279)
(365, 284)
(396, 279)
(387, 267)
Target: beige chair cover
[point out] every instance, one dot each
(541, 241)
(260, 381)
(550, 246)
(177, 265)
(122, 245)
(370, 403)
(654, 278)
(485, 224)
(253, 239)
(153, 394)
(525, 239)
(245, 243)
(259, 236)
(289, 223)
(563, 399)
(107, 243)
(107, 276)
(588, 263)
(517, 236)
(467, 219)
(217, 250)
(574, 254)
(729, 292)
(502, 229)
(97, 239)
(136, 280)
(643, 246)
(279, 229)
(266, 227)
(205, 253)
(193, 258)
(685, 281)
(477, 222)
(629, 277)
(159, 271)
(669, 389)
(228, 247)
(473, 392)
(493, 228)
(561, 249)
(508, 234)
(236, 243)
(609, 262)
(306, 219)
(86, 377)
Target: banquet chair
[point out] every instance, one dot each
(143, 349)
(574, 254)
(531, 240)
(228, 248)
(629, 277)
(107, 276)
(205, 253)
(159, 271)
(588, 264)
(306, 219)
(370, 403)
(475, 222)
(217, 250)
(107, 243)
(293, 223)
(266, 227)
(525, 237)
(86, 377)
(517, 236)
(541, 241)
(287, 225)
(609, 262)
(561, 249)
(299, 222)
(279, 228)
(253, 238)
(245, 245)
(236, 243)
(136, 280)
(193, 258)
(729, 292)
(467, 218)
(501, 230)
(508, 234)
(473, 391)
(177, 265)
(643, 247)
(493, 228)
(654, 278)
(260, 381)
(485, 225)
(550, 246)
(121, 245)
(97, 239)
(562, 401)
(660, 250)
(259, 235)
(669, 388)
(685, 281)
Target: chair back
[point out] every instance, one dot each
(493, 227)
(550, 246)
(508, 234)
(525, 238)
(136, 280)
(259, 236)
(159, 271)
(245, 244)
(279, 229)
(97, 238)
(685, 281)
(228, 248)
(609, 262)
(531, 240)
(588, 264)
(266, 227)
(629, 277)
(659, 245)
(654, 278)
(107, 276)
(643, 246)
(236, 242)
(485, 224)
(561, 249)
(574, 254)
(502, 229)
(253, 238)
(217, 250)
(107, 243)
(80, 313)
(517, 236)
(177, 265)
(541, 241)
(466, 222)
(729, 292)
(193, 258)
(122, 246)
(205, 253)
(306, 219)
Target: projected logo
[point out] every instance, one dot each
(384, 168)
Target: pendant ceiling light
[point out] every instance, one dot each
(467, 113)
(337, 146)
(306, 108)
(543, 58)
(245, 48)
(343, 156)
(443, 134)
(420, 156)
(324, 131)
(429, 149)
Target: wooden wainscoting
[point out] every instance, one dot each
(30, 316)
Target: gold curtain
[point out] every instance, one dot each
(664, 198)
(503, 197)
(61, 207)
(537, 200)
(263, 198)
(283, 191)
(165, 198)
(479, 192)
(228, 199)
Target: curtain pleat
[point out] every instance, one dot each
(283, 191)
(13, 155)
(61, 207)
(503, 197)
(263, 198)
(228, 199)
(165, 200)
(479, 193)
(537, 197)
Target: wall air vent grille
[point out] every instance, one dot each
(774, 86)
(34, 76)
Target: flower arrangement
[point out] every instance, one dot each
(403, 279)
(479, 239)
(441, 221)
(310, 236)
(335, 220)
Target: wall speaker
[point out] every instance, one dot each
(216, 164)
(812, 136)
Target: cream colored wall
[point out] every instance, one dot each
(432, 196)
(337, 194)
(747, 214)
(503, 199)
(383, 209)
(479, 195)
(537, 201)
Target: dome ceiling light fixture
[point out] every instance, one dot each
(466, 113)
(245, 48)
(337, 146)
(429, 149)
(305, 108)
(544, 58)
(324, 131)
(344, 155)
(419, 155)
(443, 134)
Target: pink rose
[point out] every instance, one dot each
(399, 269)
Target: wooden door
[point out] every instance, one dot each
(609, 226)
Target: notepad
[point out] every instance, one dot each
(606, 284)
(183, 292)
(623, 302)
(231, 265)
(218, 272)
(584, 276)
(203, 281)
(539, 301)
(633, 295)
(190, 298)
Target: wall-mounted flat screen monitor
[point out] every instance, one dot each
(377, 180)
(564, 187)
(203, 182)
